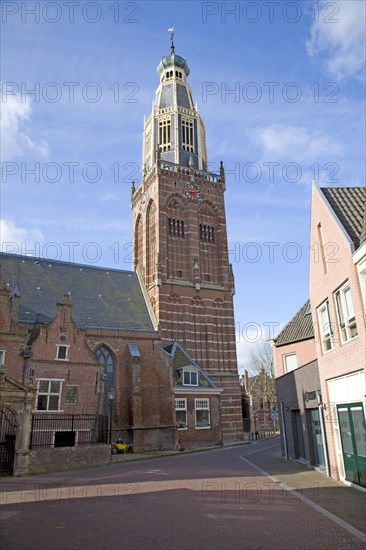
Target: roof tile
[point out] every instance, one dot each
(299, 328)
(349, 205)
(101, 297)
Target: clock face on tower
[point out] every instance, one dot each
(192, 192)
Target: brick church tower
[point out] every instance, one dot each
(179, 238)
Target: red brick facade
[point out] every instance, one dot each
(189, 282)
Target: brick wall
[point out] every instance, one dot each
(200, 318)
(291, 388)
(305, 353)
(68, 458)
(345, 357)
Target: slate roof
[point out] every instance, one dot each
(299, 328)
(349, 205)
(101, 297)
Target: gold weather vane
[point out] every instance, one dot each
(171, 30)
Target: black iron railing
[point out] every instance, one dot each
(68, 430)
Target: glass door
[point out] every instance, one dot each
(299, 438)
(317, 438)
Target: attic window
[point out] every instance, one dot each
(190, 378)
(62, 353)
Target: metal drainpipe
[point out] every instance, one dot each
(284, 429)
(322, 426)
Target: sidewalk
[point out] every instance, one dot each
(346, 503)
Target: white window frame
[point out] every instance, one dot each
(181, 405)
(285, 367)
(58, 346)
(326, 330)
(2, 357)
(202, 404)
(190, 371)
(361, 268)
(49, 393)
(345, 313)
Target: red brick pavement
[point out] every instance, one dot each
(213, 500)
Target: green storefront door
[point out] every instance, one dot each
(353, 436)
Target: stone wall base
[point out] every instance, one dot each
(68, 458)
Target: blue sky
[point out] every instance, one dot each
(296, 113)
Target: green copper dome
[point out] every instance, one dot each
(173, 59)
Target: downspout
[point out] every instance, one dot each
(284, 432)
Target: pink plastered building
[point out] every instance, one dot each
(327, 417)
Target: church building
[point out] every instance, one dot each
(180, 243)
(152, 349)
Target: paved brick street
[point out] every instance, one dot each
(218, 500)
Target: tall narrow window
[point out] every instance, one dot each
(361, 268)
(187, 135)
(321, 247)
(202, 407)
(176, 228)
(207, 233)
(325, 327)
(150, 242)
(105, 358)
(138, 242)
(346, 314)
(164, 134)
(181, 413)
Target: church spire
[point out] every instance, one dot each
(172, 47)
(174, 128)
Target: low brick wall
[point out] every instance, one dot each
(68, 458)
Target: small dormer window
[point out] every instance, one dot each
(190, 378)
(62, 353)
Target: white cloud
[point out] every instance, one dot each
(17, 239)
(338, 38)
(14, 127)
(294, 142)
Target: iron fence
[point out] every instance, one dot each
(68, 430)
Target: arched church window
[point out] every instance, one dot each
(207, 233)
(176, 228)
(150, 241)
(138, 242)
(105, 358)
